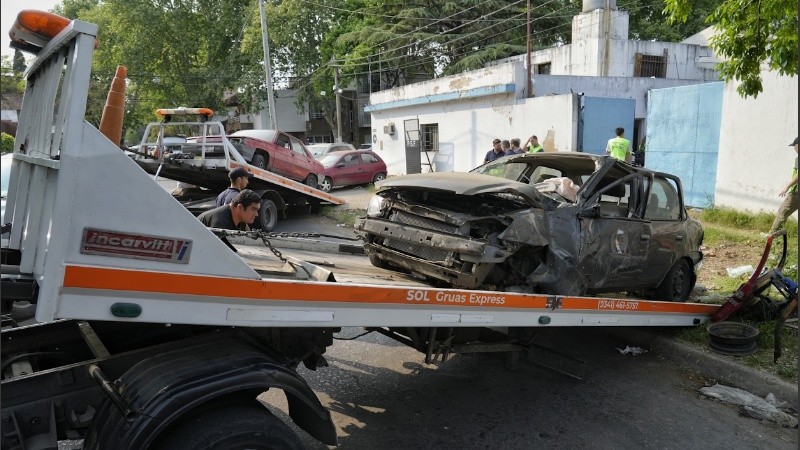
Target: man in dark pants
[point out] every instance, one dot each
(237, 215)
(240, 178)
(791, 198)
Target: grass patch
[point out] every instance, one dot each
(339, 215)
(728, 217)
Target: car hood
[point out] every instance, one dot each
(461, 183)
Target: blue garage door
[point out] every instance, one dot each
(683, 126)
(599, 118)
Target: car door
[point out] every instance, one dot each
(666, 215)
(615, 238)
(302, 159)
(369, 167)
(280, 156)
(349, 169)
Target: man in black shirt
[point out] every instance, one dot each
(237, 215)
(239, 180)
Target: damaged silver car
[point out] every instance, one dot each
(556, 223)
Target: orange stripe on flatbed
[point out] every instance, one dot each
(84, 277)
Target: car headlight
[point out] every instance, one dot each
(376, 205)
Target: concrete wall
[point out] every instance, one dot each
(586, 54)
(613, 87)
(461, 83)
(468, 126)
(288, 118)
(755, 162)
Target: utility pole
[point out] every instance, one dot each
(273, 123)
(528, 92)
(337, 91)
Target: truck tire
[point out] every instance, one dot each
(259, 161)
(267, 215)
(238, 426)
(678, 283)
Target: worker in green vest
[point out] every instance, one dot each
(619, 147)
(533, 145)
(791, 198)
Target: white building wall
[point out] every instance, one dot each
(467, 127)
(612, 87)
(755, 161)
(288, 118)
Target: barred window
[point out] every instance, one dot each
(315, 114)
(650, 66)
(430, 137)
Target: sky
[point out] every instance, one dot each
(8, 14)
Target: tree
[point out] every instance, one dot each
(650, 21)
(19, 62)
(178, 53)
(749, 34)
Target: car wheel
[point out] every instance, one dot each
(267, 215)
(259, 161)
(311, 180)
(326, 184)
(236, 426)
(379, 177)
(678, 283)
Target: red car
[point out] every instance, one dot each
(352, 167)
(279, 153)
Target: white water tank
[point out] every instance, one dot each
(591, 5)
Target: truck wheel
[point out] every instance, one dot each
(326, 184)
(267, 215)
(311, 181)
(678, 283)
(231, 427)
(259, 161)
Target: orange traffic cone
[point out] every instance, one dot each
(114, 110)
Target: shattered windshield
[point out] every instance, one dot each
(504, 168)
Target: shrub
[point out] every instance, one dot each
(8, 143)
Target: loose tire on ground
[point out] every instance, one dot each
(267, 215)
(238, 426)
(678, 283)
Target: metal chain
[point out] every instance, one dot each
(266, 241)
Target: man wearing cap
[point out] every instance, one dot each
(239, 180)
(792, 198)
(238, 215)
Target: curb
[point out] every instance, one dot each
(311, 245)
(724, 369)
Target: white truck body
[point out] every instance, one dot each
(94, 230)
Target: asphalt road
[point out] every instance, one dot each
(381, 394)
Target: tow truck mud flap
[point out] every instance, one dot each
(165, 387)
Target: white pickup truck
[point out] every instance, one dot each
(153, 333)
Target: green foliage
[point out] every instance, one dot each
(8, 143)
(183, 53)
(649, 20)
(740, 220)
(750, 34)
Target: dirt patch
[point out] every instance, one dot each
(718, 258)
